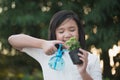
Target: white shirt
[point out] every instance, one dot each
(70, 71)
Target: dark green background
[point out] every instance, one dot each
(32, 17)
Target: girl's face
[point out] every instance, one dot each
(66, 30)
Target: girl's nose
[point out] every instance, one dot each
(67, 35)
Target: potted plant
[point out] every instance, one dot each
(74, 46)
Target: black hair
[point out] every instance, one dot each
(59, 17)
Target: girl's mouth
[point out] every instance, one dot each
(64, 40)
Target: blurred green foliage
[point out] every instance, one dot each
(101, 19)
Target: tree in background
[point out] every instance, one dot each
(101, 19)
(103, 28)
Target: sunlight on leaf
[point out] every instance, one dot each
(1, 10)
(13, 5)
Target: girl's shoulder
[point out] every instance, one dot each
(92, 57)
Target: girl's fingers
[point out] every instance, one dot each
(83, 59)
(81, 55)
(51, 51)
(84, 52)
(66, 47)
(57, 42)
(54, 49)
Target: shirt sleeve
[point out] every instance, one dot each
(36, 53)
(95, 70)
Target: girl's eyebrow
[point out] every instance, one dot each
(59, 29)
(72, 27)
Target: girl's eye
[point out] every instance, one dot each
(61, 32)
(72, 30)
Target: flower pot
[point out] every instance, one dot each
(74, 56)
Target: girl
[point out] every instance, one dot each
(63, 25)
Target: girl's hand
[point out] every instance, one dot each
(84, 57)
(82, 67)
(49, 46)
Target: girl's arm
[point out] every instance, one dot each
(21, 41)
(95, 67)
(82, 67)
